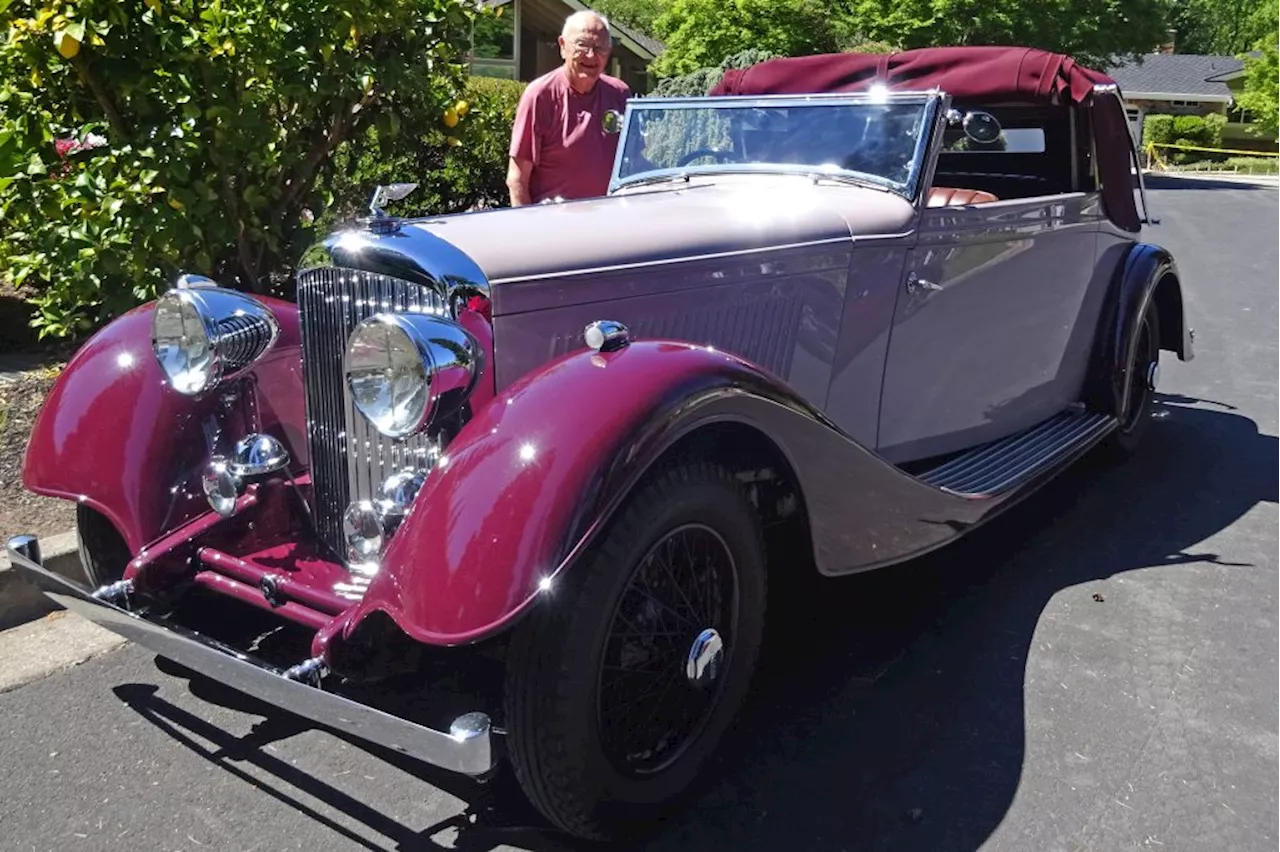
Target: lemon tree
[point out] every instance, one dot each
(143, 137)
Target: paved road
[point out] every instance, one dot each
(1095, 671)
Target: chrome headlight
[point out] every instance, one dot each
(202, 334)
(405, 369)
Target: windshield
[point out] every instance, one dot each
(859, 139)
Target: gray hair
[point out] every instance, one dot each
(581, 17)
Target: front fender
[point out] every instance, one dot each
(537, 473)
(114, 436)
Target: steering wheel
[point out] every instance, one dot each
(703, 152)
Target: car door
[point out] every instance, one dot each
(993, 323)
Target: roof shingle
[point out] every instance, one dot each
(1176, 74)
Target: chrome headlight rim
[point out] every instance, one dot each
(177, 300)
(420, 415)
(448, 359)
(237, 331)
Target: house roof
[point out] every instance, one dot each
(1180, 76)
(644, 46)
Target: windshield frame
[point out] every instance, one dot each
(934, 102)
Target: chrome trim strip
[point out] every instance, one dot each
(693, 258)
(468, 749)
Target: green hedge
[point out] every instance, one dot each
(1192, 130)
(142, 139)
(456, 168)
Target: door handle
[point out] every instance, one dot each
(917, 285)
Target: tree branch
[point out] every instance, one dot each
(101, 96)
(338, 131)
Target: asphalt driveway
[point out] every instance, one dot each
(1097, 670)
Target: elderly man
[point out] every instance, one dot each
(559, 146)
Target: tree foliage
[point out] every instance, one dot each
(1261, 95)
(703, 80)
(145, 137)
(638, 14)
(700, 33)
(1098, 33)
(1221, 27)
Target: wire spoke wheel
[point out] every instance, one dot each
(1142, 374)
(670, 637)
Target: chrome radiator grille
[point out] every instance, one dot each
(349, 459)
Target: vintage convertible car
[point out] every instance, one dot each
(830, 317)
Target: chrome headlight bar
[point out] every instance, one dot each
(202, 334)
(404, 370)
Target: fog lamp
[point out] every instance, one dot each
(398, 492)
(222, 486)
(362, 529)
(259, 455)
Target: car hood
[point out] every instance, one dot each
(649, 225)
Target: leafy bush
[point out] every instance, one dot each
(1252, 165)
(1158, 129)
(138, 139)
(456, 168)
(1186, 130)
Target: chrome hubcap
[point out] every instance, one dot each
(705, 655)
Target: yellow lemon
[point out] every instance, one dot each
(461, 107)
(451, 117)
(67, 44)
(453, 141)
(153, 5)
(175, 203)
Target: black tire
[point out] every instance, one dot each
(103, 552)
(561, 702)
(1125, 440)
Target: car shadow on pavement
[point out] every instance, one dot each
(888, 712)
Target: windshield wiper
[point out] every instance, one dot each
(644, 181)
(849, 179)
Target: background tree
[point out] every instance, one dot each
(143, 138)
(1221, 27)
(637, 14)
(1096, 32)
(701, 33)
(1261, 95)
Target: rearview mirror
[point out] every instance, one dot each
(981, 127)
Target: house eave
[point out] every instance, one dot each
(1175, 96)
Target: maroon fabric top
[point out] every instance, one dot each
(979, 73)
(967, 73)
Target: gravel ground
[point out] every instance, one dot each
(20, 510)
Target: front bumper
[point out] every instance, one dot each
(467, 748)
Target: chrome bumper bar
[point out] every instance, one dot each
(467, 748)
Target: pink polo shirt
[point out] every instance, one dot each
(562, 132)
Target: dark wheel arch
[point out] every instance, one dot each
(103, 552)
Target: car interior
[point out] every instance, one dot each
(1041, 150)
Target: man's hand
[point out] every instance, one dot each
(518, 172)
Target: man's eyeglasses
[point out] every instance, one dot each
(581, 48)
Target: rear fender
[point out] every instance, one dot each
(114, 436)
(526, 485)
(1146, 274)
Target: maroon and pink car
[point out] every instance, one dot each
(830, 317)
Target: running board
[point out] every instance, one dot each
(991, 469)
